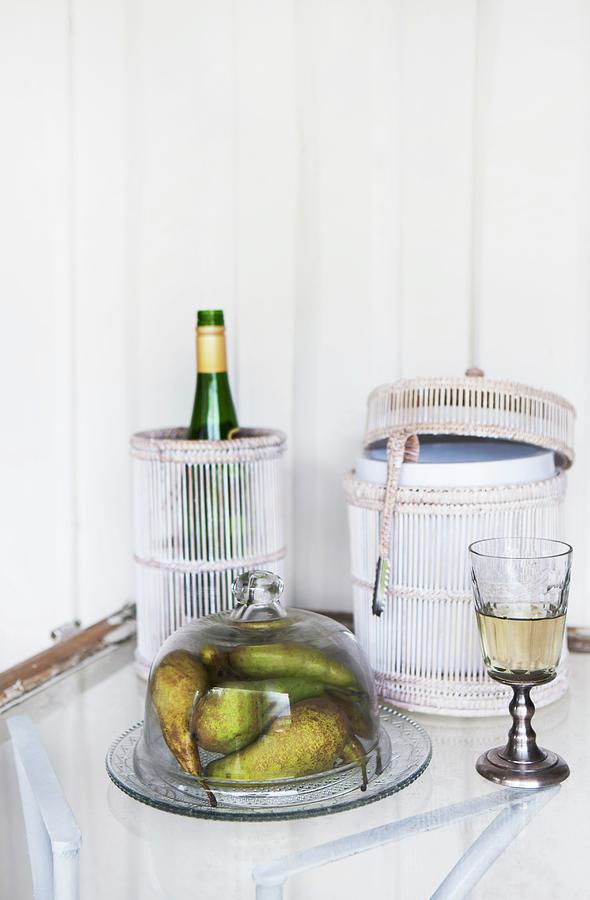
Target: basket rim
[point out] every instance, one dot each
(172, 439)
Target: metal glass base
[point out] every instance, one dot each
(551, 770)
(522, 763)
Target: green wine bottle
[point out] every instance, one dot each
(214, 415)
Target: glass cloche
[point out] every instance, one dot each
(261, 698)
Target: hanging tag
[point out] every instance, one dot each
(381, 586)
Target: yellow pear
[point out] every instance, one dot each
(177, 683)
(307, 741)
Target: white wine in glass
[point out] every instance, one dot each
(525, 649)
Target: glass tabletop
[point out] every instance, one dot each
(401, 846)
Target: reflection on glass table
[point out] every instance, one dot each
(131, 850)
(54, 839)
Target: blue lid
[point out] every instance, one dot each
(453, 449)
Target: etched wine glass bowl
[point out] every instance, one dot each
(520, 590)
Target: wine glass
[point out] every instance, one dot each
(520, 589)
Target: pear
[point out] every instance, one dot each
(234, 713)
(268, 660)
(307, 741)
(264, 625)
(228, 718)
(177, 682)
(214, 660)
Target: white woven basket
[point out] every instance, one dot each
(204, 512)
(474, 406)
(424, 648)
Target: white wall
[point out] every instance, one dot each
(370, 188)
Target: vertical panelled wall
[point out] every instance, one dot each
(37, 456)
(443, 193)
(370, 189)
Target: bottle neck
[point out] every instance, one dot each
(211, 354)
(214, 414)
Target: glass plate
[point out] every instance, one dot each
(411, 752)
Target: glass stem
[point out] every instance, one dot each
(522, 740)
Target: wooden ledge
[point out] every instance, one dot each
(38, 671)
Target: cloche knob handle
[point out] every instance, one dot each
(257, 595)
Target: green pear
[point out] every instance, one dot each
(232, 714)
(226, 719)
(271, 660)
(307, 741)
(177, 683)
